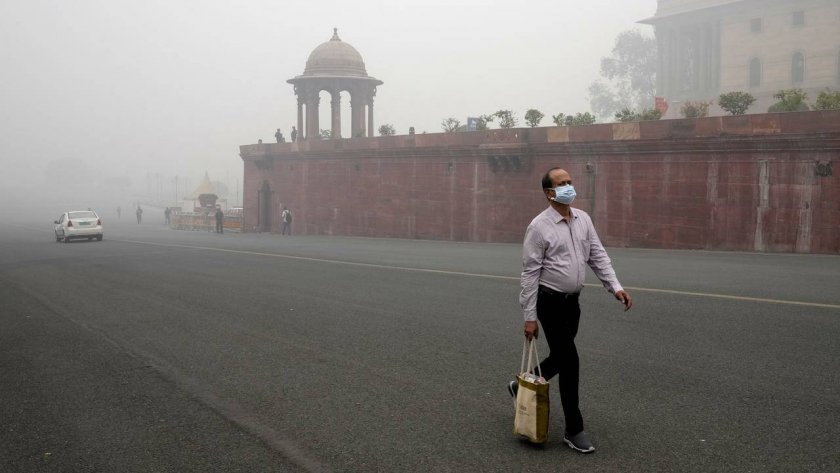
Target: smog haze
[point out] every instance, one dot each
(111, 100)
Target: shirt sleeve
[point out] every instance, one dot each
(533, 253)
(600, 262)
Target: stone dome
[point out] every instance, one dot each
(335, 58)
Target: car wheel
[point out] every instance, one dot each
(99, 237)
(66, 239)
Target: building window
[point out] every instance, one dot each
(755, 72)
(755, 25)
(799, 18)
(798, 68)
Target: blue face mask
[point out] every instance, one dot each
(565, 194)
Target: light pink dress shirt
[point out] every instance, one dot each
(555, 254)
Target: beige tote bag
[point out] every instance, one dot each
(532, 405)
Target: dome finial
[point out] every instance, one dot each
(335, 35)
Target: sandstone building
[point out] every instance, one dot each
(709, 47)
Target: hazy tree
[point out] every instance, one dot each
(828, 100)
(695, 109)
(627, 115)
(507, 119)
(562, 119)
(387, 130)
(736, 103)
(222, 189)
(629, 75)
(450, 125)
(533, 117)
(484, 122)
(789, 100)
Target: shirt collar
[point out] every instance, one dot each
(557, 218)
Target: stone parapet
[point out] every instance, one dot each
(754, 183)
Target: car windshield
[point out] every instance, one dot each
(85, 214)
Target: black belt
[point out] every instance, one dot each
(551, 292)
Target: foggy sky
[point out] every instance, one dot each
(173, 87)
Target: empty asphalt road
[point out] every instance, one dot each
(160, 350)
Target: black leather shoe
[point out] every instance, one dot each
(579, 442)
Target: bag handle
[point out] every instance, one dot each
(530, 347)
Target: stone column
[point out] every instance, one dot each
(335, 130)
(357, 113)
(312, 120)
(353, 122)
(660, 61)
(370, 118)
(300, 129)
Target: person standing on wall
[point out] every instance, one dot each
(559, 243)
(220, 220)
(286, 218)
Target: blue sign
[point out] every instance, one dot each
(472, 123)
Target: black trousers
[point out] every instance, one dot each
(220, 227)
(559, 315)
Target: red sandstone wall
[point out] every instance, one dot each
(732, 183)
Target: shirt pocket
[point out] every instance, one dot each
(585, 246)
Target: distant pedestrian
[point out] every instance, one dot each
(139, 213)
(279, 136)
(220, 220)
(286, 218)
(167, 214)
(294, 134)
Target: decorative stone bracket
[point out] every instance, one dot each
(508, 163)
(823, 169)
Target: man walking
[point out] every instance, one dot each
(286, 218)
(220, 220)
(559, 243)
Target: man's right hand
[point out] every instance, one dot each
(532, 330)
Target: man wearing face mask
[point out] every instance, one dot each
(559, 243)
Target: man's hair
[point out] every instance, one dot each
(546, 179)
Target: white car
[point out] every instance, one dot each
(78, 224)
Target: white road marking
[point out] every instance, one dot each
(479, 275)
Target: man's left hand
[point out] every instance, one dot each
(625, 299)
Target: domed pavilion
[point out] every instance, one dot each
(335, 66)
